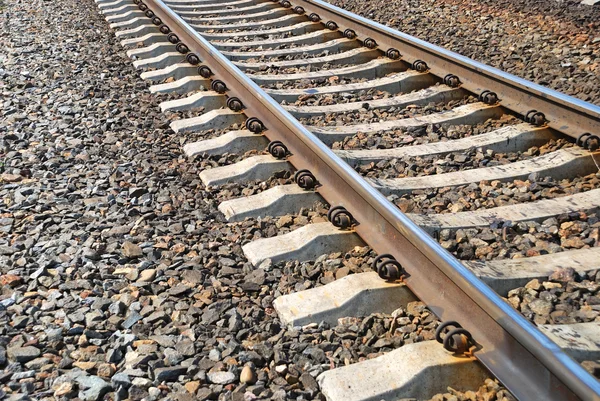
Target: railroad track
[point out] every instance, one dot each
(375, 123)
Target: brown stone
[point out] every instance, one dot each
(10, 280)
(248, 375)
(179, 248)
(105, 369)
(87, 366)
(63, 389)
(10, 177)
(192, 387)
(131, 250)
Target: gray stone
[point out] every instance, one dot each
(132, 319)
(154, 393)
(137, 393)
(540, 307)
(169, 373)
(205, 393)
(156, 317)
(93, 387)
(38, 273)
(186, 347)
(221, 377)
(309, 382)
(179, 289)
(136, 192)
(23, 375)
(37, 363)
(172, 357)
(120, 379)
(117, 308)
(164, 341)
(193, 277)
(214, 355)
(23, 354)
(54, 334)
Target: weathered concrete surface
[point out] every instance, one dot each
(354, 295)
(305, 243)
(415, 371)
(253, 168)
(276, 201)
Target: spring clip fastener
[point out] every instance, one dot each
(488, 97)
(305, 179)
(535, 117)
(454, 338)
(387, 267)
(218, 86)
(588, 141)
(204, 71)
(394, 54)
(235, 104)
(452, 81)
(254, 125)
(277, 149)
(370, 43)
(314, 17)
(420, 66)
(340, 217)
(332, 26)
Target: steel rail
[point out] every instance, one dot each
(527, 362)
(566, 114)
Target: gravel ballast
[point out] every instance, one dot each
(119, 278)
(553, 43)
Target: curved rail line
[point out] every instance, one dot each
(525, 360)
